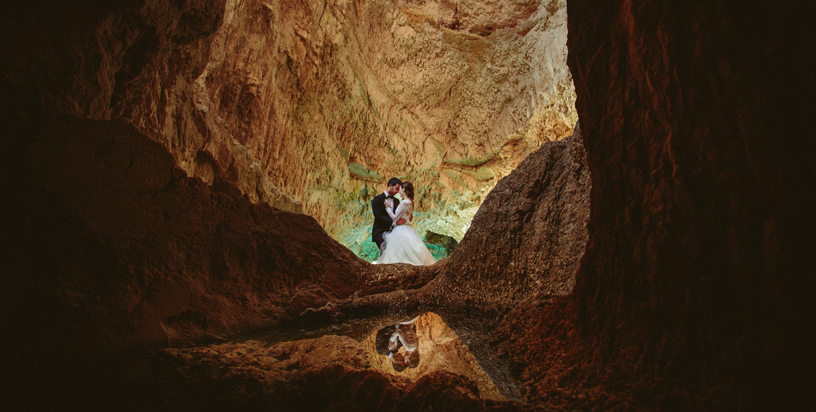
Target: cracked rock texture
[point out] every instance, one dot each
(311, 106)
(333, 98)
(694, 291)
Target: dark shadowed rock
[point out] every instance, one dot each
(691, 291)
(126, 249)
(444, 241)
(527, 237)
(695, 291)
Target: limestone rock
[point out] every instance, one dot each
(446, 242)
(301, 103)
(694, 291)
(136, 252)
(696, 286)
(529, 234)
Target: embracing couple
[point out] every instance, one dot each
(392, 232)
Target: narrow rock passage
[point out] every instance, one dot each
(460, 351)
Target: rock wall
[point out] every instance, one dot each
(332, 99)
(695, 290)
(115, 247)
(527, 238)
(311, 106)
(219, 84)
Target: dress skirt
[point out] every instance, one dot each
(403, 245)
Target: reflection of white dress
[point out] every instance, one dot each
(407, 335)
(402, 244)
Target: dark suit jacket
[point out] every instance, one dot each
(382, 222)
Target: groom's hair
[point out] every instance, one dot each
(394, 181)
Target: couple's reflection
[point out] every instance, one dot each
(400, 343)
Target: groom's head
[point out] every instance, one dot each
(393, 186)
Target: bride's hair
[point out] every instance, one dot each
(409, 189)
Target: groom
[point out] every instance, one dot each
(383, 222)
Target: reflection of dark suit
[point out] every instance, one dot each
(382, 339)
(382, 222)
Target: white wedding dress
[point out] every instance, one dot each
(402, 244)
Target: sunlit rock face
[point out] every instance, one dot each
(311, 106)
(332, 99)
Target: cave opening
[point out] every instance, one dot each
(148, 178)
(312, 109)
(177, 174)
(477, 92)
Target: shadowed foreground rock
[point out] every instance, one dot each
(523, 247)
(139, 253)
(109, 247)
(694, 291)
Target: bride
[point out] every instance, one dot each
(402, 244)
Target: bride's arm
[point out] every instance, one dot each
(395, 216)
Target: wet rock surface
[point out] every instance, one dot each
(330, 371)
(438, 349)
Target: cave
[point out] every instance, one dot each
(624, 192)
